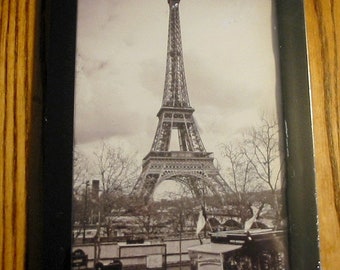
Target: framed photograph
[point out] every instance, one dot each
(177, 136)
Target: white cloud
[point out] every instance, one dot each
(121, 56)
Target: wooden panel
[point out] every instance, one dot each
(17, 36)
(323, 31)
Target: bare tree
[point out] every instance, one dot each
(182, 210)
(116, 173)
(80, 171)
(80, 176)
(263, 153)
(116, 169)
(240, 177)
(254, 165)
(240, 171)
(148, 219)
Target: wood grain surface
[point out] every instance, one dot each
(323, 35)
(17, 54)
(17, 37)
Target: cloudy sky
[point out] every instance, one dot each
(229, 62)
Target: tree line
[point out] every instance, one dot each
(252, 168)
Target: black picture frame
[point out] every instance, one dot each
(301, 192)
(49, 226)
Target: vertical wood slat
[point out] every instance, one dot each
(17, 37)
(323, 34)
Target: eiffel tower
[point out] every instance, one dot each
(192, 165)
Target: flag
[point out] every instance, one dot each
(200, 222)
(249, 222)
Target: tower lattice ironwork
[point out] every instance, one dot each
(191, 165)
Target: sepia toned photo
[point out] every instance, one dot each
(179, 159)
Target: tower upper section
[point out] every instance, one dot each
(175, 89)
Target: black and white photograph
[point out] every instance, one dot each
(178, 157)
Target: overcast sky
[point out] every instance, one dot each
(229, 63)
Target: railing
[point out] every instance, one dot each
(179, 154)
(171, 254)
